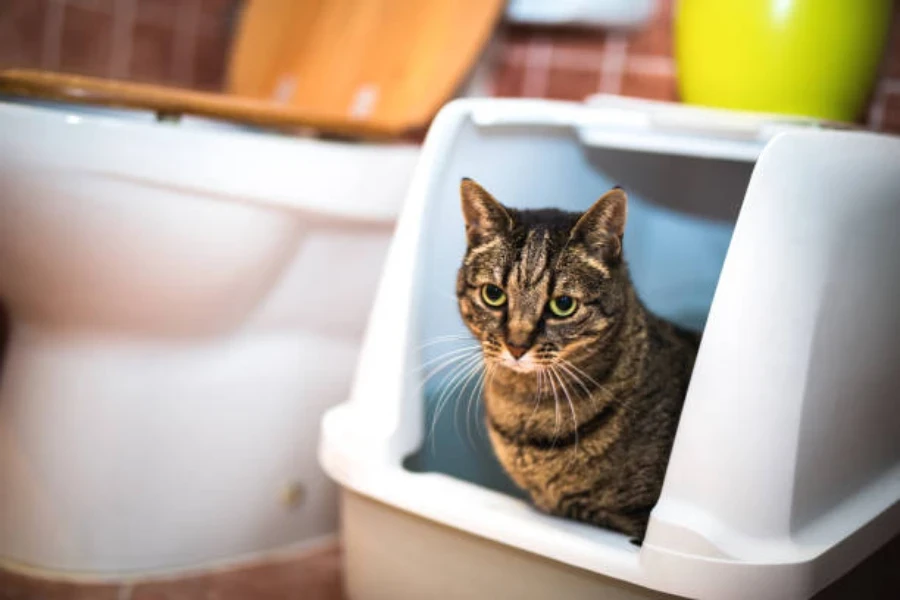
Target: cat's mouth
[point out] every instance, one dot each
(532, 360)
(526, 363)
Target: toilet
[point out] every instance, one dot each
(184, 300)
(184, 287)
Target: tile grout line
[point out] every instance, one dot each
(884, 86)
(612, 67)
(877, 110)
(573, 60)
(125, 591)
(187, 29)
(660, 66)
(52, 35)
(890, 85)
(875, 116)
(124, 12)
(538, 59)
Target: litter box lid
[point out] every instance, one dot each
(660, 127)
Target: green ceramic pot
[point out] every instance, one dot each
(817, 58)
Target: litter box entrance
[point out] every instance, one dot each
(681, 216)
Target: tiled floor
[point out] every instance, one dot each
(317, 576)
(312, 576)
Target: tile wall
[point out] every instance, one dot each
(186, 42)
(171, 42)
(571, 64)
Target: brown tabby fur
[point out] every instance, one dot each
(588, 429)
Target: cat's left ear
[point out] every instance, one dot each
(484, 216)
(602, 227)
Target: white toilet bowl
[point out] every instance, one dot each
(184, 302)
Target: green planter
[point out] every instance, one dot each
(817, 58)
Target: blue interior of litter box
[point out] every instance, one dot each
(675, 257)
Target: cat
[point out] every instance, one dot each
(584, 386)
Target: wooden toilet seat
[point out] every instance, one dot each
(361, 68)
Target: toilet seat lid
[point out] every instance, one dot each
(172, 101)
(367, 68)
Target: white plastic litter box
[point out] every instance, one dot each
(778, 237)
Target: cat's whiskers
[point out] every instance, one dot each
(457, 359)
(555, 405)
(539, 375)
(600, 392)
(577, 369)
(447, 358)
(448, 383)
(492, 371)
(574, 377)
(475, 394)
(475, 371)
(464, 367)
(565, 389)
(446, 339)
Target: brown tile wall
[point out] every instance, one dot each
(171, 42)
(185, 43)
(572, 64)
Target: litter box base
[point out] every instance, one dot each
(393, 555)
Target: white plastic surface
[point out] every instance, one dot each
(656, 127)
(795, 384)
(590, 13)
(783, 476)
(185, 303)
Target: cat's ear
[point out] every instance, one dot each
(484, 216)
(602, 227)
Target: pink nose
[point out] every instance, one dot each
(517, 351)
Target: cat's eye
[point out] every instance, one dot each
(493, 295)
(563, 306)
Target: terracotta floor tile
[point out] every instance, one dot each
(17, 587)
(315, 577)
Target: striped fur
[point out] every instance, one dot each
(584, 421)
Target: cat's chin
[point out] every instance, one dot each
(517, 366)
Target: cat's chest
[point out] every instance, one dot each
(545, 423)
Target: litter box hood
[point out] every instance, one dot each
(786, 467)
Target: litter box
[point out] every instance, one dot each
(777, 237)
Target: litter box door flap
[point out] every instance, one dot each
(792, 407)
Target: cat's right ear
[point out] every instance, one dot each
(602, 227)
(484, 216)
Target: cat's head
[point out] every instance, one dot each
(541, 287)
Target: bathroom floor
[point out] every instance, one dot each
(316, 575)
(308, 576)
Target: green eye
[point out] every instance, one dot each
(493, 296)
(563, 306)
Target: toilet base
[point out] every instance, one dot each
(120, 456)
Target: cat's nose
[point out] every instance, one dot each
(517, 351)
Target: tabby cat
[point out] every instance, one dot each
(584, 385)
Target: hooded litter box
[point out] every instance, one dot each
(777, 237)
